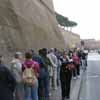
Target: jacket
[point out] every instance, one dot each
(7, 83)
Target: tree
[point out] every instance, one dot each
(61, 19)
(64, 21)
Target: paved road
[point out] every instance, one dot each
(90, 89)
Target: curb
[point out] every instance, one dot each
(76, 90)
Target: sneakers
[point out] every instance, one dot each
(74, 78)
(50, 94)
(77, 77)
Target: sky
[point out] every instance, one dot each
(85, 12)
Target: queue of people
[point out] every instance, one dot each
(33, 76)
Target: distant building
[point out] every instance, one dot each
(72, 40)
(91, 44)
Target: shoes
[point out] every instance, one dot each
(50, 94)
(74, 78)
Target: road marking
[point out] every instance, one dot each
(82, 98)
(93, 76)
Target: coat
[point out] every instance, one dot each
(7, 83)
(64, 70)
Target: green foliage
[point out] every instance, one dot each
(64, 21)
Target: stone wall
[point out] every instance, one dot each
(28, 24)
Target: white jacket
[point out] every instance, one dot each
(53, 59)
(16, 69)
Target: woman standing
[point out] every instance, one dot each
(65, 77)
(76, 60)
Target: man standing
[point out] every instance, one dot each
(54, 62)
(16, 69)
(7, 82)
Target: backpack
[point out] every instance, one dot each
(29, 77)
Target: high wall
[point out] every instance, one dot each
(28, 24)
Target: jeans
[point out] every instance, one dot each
(84, 64)
(19, 92)
(31, 92)
(46, 87)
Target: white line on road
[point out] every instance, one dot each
(96, 76)
(82, 98)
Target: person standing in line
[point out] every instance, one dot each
(7, 82)
(65, 77)
(58, 54)
(76, 60)
(16, 69)
(30, 71)
(37, 58)
(46, 64)
(50, 70)
(42, 74)
(54, 62)
(84, 60)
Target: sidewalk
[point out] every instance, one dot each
(75, 90)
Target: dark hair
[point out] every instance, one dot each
(1, 59)
(28, 55)
(40, 51)
(44, 51)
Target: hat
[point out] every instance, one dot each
(18, 53)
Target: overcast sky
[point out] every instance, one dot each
(85, 12)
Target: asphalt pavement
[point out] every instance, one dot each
(90, 87)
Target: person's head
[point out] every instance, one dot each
(55, 50)
(18, 55)
(44, 52)
(52, 50)
(74, 53)
(1, 59)
(40, 51)
(65, 54)
(28, 55)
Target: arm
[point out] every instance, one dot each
(52, 63)
(36, 69)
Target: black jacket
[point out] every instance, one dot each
(64, 71)
(7, 83)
